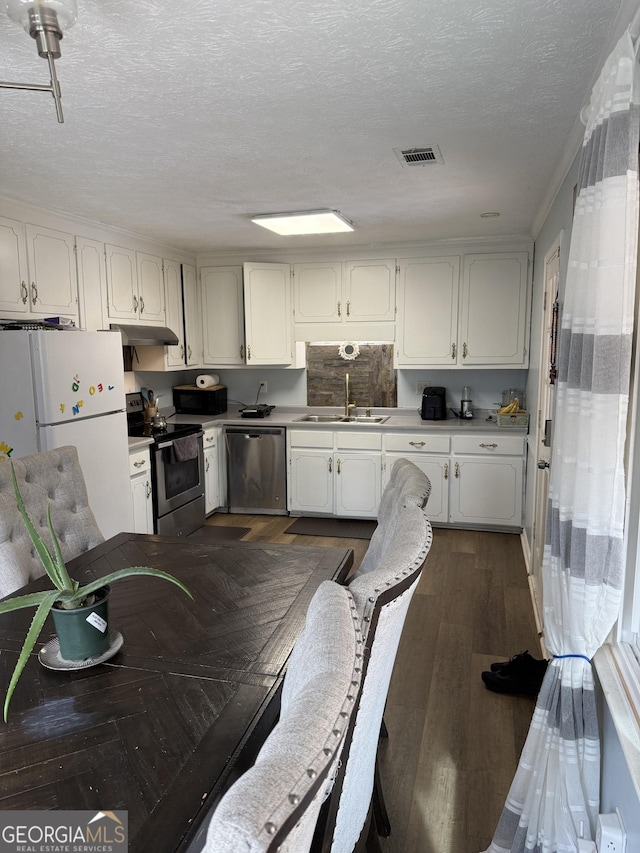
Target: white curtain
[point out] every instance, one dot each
(555, 792)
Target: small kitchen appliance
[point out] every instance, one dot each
(434, 403)
(194, 400)
(466, 408)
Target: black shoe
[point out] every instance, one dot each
(522, 659)
(525, 676)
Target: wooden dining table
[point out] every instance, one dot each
(167, 724)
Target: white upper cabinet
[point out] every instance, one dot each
(91, 283)
(175, 355)
(150, 288)
(135, 285)
(493, 321)
(317, 292)
(342, 293)
(14, 290)
(192, 316)
(369, 291)
(267, 314)
(222, 315)
(427, 310)
(51, 260)
(464, 311)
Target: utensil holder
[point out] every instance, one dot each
(150, 413)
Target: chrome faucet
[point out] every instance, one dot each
(347, 403)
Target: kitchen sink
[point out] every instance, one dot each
(371, 419)
(341, 419)
(319, 419)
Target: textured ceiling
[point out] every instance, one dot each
(184, 119)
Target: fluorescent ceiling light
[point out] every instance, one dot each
(304, 222)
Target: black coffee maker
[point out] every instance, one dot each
(434, 403)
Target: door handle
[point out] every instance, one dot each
(446, 470)
(25, 292)
(453, 351)
(542, 464)
(457, 470)
(34, 292)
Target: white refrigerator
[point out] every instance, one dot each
(67, 387)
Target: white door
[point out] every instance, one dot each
(311, 481)
(358, 484)
(486, 491)
(369, 291)
(52, 269)
(103, 450)
(437, 470)
(192, 316)
(427, 324)
(14, 292)
(77, 375)
(317, 292)
(268, 319)
(546, 397)
(122, 283)
(174, 312)
(222, 315)
(150, 288)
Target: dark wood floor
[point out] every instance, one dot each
(453, 745)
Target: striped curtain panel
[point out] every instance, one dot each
(554, 797)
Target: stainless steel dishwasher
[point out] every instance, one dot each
(256, 470)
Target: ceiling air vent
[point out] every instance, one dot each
(424, 156)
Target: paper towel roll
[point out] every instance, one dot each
(206, 380)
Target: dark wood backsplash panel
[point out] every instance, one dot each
(372, 378)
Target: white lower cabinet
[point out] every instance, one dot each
(475, 480)
(211, 442)
(141, 490)
(431, 454)
(334, 473)
(486, 487)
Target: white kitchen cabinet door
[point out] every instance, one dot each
(358, 481)
(317, 292)
(493, 310)
(150, 288)
(142, 503)
(222, 315)
(369, 291)
(426, 330)
(437, 470)
(311, 481)
(192, 316)
(122, 283)
(268, 319)
(211, 442)
(14, 292)
(53, 279)
(175, 355)
(486, 491)
(92, 285)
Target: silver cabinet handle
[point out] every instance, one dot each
(188, 352)
(141, 304)
(34, 292)
(242, 351)
(417, 443)
(135, 304)
(348, 308)
(206, 464)
(330, 465)
(138, 464)
(453, 351)
(446, 470)
(464, 350)
(488, 445)
(339, 308)
(148, 485)
(249, 352)
(457, 470)
(25, 292)
(338, 466)
(182, 351)
(210, 438)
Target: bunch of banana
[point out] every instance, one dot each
(513, 407)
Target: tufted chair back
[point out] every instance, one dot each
(274, 806)
(52, 477)
(382, 595)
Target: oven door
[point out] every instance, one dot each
(176, 481)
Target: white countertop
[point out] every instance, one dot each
(397, 419)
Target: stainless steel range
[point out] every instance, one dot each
(177, 470)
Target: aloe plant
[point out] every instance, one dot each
(68, 593)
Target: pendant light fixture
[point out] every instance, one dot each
(44, 21)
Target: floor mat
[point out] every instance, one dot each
(342, 527)
(211, 533)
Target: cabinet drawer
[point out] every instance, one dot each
(416, 442)
(350, 440)
(310, 438)
(210, 437)
(138, 462)
(508, 445)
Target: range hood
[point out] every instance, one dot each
(150, 336)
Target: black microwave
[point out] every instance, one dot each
(192, 400)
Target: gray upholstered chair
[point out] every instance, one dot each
(275, 804)
(54, 478)
(382, 593)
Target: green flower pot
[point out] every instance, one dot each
(84, 632)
